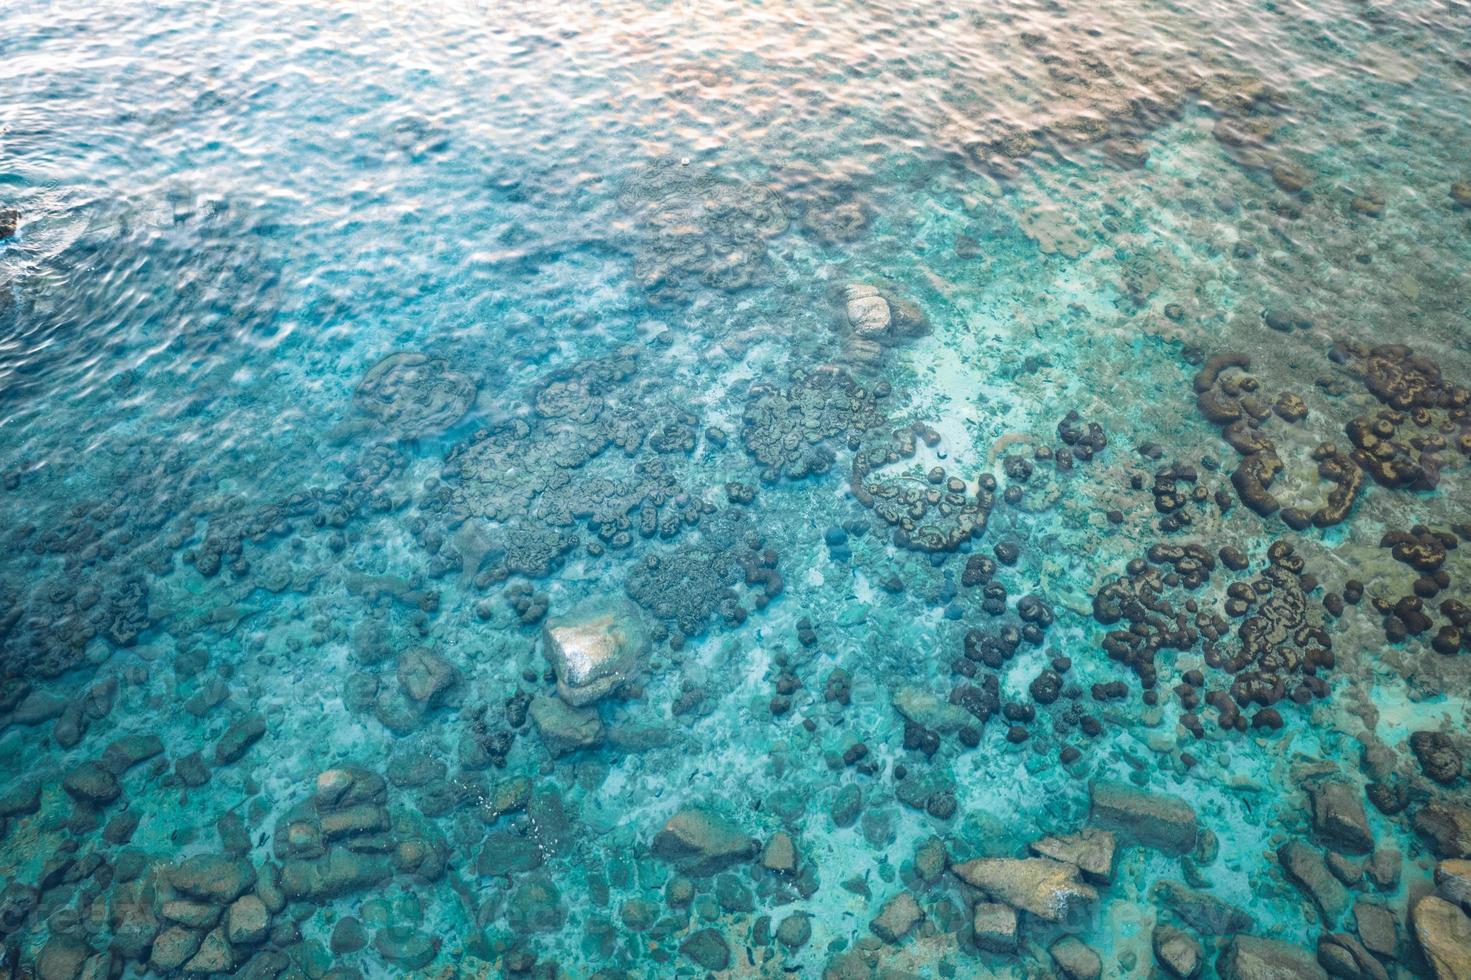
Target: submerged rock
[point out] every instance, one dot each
(707, 948)
(239, 737)
(1092, 850)
(594, 648)
(1344, 956)
(564, 728)
(1252, 958)
(700, 841)
(62, 958)
(1158, 820)
(1204, 913)
(213, 878)
(1076, 959)
(1304, 867)
(406, 947)
(1338, 817)
(899, 915)
(1048, 889)
(1178, 952)
(995, 927)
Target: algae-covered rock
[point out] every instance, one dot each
(700, 841)
(1377, 927)
(1444, 934)
(1051, 890)
(506, 853)
(594, 648)
(1253, 958)
(925, 709)
(1453, 881)
(425, 677)
(1158, 820)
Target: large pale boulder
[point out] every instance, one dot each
(1048, 889)
(594, 647)
(1444, 934)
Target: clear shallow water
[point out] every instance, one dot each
(337, 334)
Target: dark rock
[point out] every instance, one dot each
(507, 853)
(239, 737)
(795, 930)
(126, 752)
(91, 785)
(707, 948)
(21, 799)
(348, 935)
(847, 805)
(1437, 756)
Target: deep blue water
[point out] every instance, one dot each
(953, 411)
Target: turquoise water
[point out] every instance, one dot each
(681, 489)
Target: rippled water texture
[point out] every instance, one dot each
(817, 489)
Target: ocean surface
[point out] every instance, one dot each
(638, 489)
